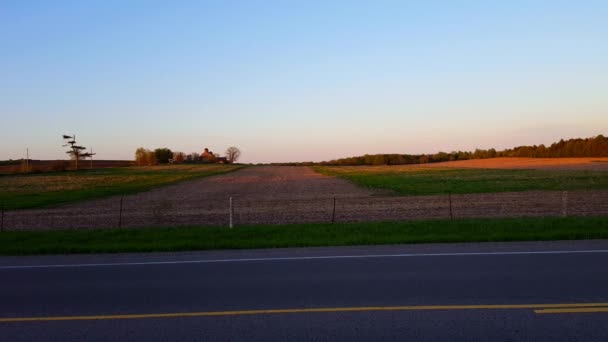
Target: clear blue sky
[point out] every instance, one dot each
(300, 80)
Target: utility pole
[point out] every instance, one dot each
(77, 154)
(230, 209)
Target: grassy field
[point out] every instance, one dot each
(416, 180)
(304, 235)
(39, 190)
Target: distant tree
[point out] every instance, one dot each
(140, 156)
(76, 151)
(163, 155)
(396, 159)
(491, 153)
(369, 159)
(441, 157)
(195, 156)
(233, 154)
(150, 158)
(589, 147)
(379, 160)
(144, 156)
(179, 157)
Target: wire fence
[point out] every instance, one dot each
(131, 212)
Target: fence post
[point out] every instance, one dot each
(333, 213)
(231, 213)
(564, 203)
(120, 212)
(451, 211)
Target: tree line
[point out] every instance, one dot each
(589, 147)
(163, 155)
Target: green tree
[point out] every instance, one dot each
(163, 155)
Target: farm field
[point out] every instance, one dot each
(589, 164)
(477, 176)
(37, 166)
(290, 195)
(39, 190)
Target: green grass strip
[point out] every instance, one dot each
(301, 235)
(55, 188)
(465, 181)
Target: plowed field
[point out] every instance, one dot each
(275, 194)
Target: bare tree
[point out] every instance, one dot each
(75, 151)
(232, 154)
(193, 157)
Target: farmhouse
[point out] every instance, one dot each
(207, 155)
(210, 157)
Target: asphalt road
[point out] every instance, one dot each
(554, 291)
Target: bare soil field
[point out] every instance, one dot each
(596, 164)
(37, 166)
(281, 194)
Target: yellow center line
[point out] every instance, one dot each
(543, 308)
(572, 310)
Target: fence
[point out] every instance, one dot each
(123, 212)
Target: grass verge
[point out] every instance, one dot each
(54, 188)
(302, 235)
(408, 180)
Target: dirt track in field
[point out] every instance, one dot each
(277, 195)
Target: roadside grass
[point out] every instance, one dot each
(41, 190)
(428, 181)
(301, 235)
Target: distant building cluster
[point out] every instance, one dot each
(145, 156)
(210, 157)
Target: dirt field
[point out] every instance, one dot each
(600, 164)
(37, 166)
(276, 195)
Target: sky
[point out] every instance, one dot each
(299, 80)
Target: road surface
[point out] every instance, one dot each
(541, 291)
